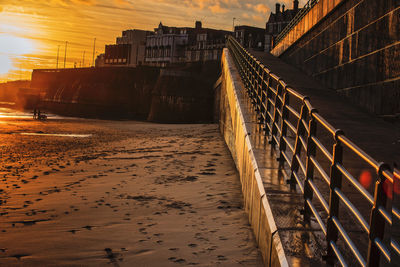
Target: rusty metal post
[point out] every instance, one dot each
(311, 151)
(285, 116)
(274, 121)
(267, 105)
(297, 145)
(261, 113)
(257, 88)
(377, 222)
(253, 81)
(334, 201)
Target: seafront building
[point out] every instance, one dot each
(250, 37)
(171, 45)
(278, 21)
(165, 46)
(128, 51)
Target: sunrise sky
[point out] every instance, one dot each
(32, 30)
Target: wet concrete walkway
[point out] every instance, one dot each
(378, 138)
(305, 245)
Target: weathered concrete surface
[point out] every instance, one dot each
(178, 94)
(354, 49)
(274, 210)
(184, 93)
(107, 92)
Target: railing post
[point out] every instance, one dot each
(267, 105)
(285, 116)
(274, 128)
(297, 145)
(262, 97)
(311, 150)
(334, 201)
(253, 81)
(257, 85)
(377, 222)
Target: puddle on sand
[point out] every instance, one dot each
(58, 135)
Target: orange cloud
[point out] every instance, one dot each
(217, 9)
(260, 8)
(123, 2)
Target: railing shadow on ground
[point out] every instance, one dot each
(346, 192)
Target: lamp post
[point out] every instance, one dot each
(233, 24)
(65, 53)
(94, 48)
(58, 52)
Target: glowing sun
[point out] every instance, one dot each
(12, 47)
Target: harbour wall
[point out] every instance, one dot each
(178, 94)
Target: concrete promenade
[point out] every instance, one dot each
(262, 181)
(378, 138)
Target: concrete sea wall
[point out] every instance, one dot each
(236, 134)
(353, 47)
(177, 94)
(184, 94)
(97, 92)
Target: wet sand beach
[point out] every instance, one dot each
(78, 192)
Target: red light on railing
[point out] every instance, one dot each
(388, 189)
(365, 179)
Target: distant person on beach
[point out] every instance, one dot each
(38, 114)
(34, 113)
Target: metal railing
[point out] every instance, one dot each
(291, 123)
(299, 16)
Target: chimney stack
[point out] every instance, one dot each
(283, 8)
(296, 5)
(198, 25)
(278, 8)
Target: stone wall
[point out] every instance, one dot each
(355, 50)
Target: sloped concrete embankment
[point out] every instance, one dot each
(236, 134)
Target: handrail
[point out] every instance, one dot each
(271, 98)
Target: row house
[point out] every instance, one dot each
(205, 44)
(278, 21)
(128, 51)
(166, 46)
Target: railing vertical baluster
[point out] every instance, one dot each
(285, 116)
(334, 201)
(258, 83)
(311, 151)
(252, 81)
(261, 99)
(267, 105)
(274, 121)
(297, 145)
(377, 222)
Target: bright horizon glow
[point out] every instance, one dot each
(32, 31)
(5, 64)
